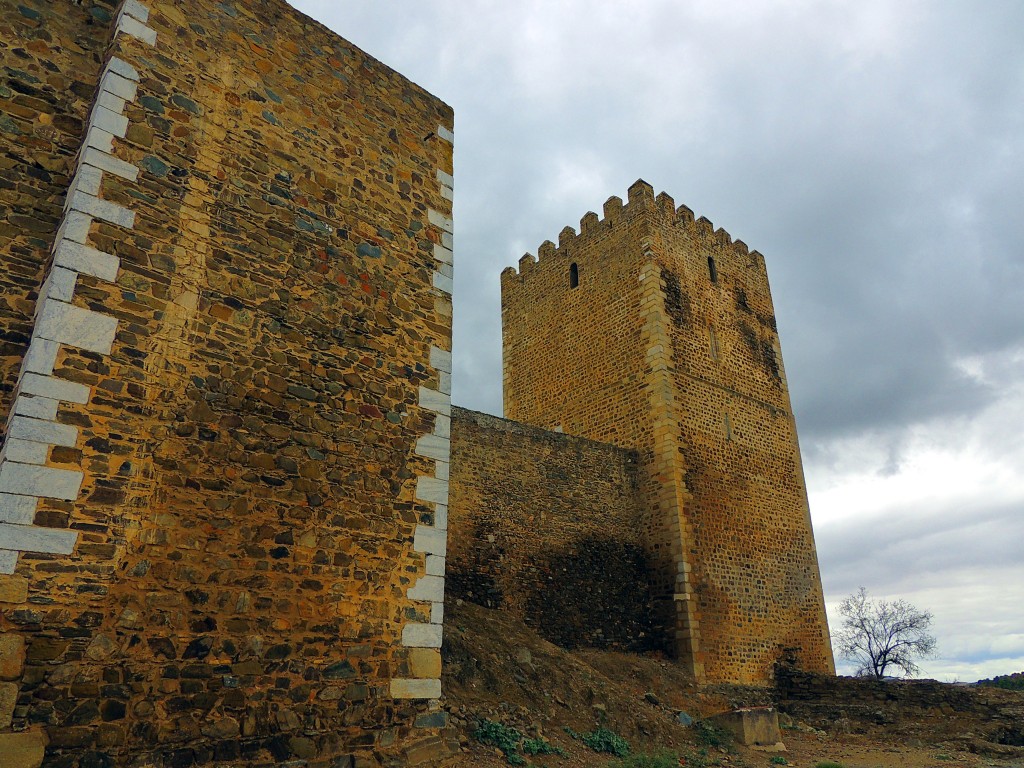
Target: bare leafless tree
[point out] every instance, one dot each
(880, 635)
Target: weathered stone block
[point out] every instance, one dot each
(41, 431)
(434, 447)
(118, 85)
(13, 589)
(98, 207)
(23, 750)
(24, 451)
(107, 162)
(41, 356)
(135, 28)
(421, 636)
(76, 327)
(425, 663)
(12, 655)
(75, 226)
(17, 509)
(36, 407)
(32, 480)
(431, 489)
(430, 541)
(428, 588)
(415, 689)
(54, 388)
(8, 700)
(752, 727)
(432, 400)
(82, 258)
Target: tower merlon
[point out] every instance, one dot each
(566, 236)
(666, 205)
(546, 251)
(640, 193)
(612, 208)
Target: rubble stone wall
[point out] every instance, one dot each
(254, 344)
(544, 526)
(655, 331)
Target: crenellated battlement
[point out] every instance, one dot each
(651, 328)
(640, 201)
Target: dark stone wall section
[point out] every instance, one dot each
(545, 526)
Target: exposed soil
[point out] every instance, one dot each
(499, 670)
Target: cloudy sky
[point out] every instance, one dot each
(873, 151)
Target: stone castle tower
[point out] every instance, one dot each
(652, 331)
(234, 492)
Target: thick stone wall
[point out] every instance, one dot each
(573, 360)
(544, 526)
(666, 343)
(249, 566)
(951, 711)
(755, 578)
(52, 54)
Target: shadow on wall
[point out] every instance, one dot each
(594, 595)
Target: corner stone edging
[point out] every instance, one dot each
(32, 425)
(432, 540)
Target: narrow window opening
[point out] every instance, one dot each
(713, 339)
(728, 427)
(574, 275)
(712, 269)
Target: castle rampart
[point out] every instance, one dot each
(666, 343)
(543, 526)
(226, 266)
(224, 477)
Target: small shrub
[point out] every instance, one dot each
(829, 764)
(779, 760)
(504, 737)
(710, 735)
(602, 740)
(541, 747)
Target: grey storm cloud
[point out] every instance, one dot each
(873, 151)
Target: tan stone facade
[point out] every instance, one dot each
(543, 526)
(225, 240)
(225, 373)
(652, 331)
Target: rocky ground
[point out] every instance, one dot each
(499, 671)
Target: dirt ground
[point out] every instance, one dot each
(499, 671)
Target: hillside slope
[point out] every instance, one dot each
(496, 669)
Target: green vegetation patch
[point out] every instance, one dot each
(1014, 682)
(710, 735)
(602, 740)
(510, 741)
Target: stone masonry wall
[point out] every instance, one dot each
(244, 562)
(544, 526)
(755, 574)
(585, 376)
(947, 710)
(661, 350)
(52, 54)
